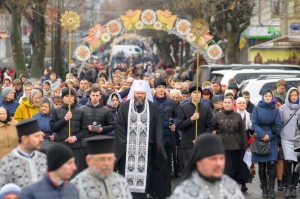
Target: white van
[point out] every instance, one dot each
(126, 49)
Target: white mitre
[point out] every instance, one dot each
(142, 86)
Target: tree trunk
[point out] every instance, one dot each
(232, 42)
(187, 53)
(57, 46)
(38, 42)
(16, 40)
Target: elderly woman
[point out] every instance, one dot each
(289, 112)
(8, 101)
(44, 117)
(30, 106)
(8, 133)
(266, 122)
(230, 127)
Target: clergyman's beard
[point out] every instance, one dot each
(97, 173)
(139, 102)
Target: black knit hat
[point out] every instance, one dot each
(100, 144)
(208, 145)
(57, 155)
(193, 86)
(159, 81)
(65, 91)
(27, 127)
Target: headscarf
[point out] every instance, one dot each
(49, 102)
(263, 94)
(8, 118)
(142, 86)
(109, 101)
(32, 93)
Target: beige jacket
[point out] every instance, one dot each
(8, 137)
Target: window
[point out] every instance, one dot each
(217, 78)
(292, 84)
(137, 50)
(271, 86)
(245, 76)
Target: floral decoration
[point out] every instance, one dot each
(82, 53)
(113, 27)
(183, 27)
(148, 17)
(139, 25)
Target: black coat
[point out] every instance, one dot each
(188, 128)
(101, 115)
(79, 126)
(250, 107)
(156, 150)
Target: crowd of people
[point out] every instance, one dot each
(128, 135)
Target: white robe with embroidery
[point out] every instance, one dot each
(90, 187)
(197, 187)
(21, 170)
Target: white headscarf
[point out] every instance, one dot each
(142, 86)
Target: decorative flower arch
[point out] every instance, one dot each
(147, 19)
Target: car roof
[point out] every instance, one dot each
(253, 71)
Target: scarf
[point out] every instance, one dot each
(137, 148)
(242, 113)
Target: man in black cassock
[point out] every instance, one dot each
(139, 140)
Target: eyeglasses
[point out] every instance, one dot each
(241, 103)
(129, 82)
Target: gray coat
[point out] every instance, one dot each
(287, 111)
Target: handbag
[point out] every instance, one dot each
(260, 147)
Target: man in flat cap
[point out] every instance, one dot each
(187, 121)
(99, 180)
(54, 184)
(25, 164)
(203, 176)
(139, 140)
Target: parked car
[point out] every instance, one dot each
(206, 70)
(241, 75)
(256, 86)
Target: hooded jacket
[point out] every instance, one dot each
(99, 114)
(44, 119)
(10, 85)
(26, 110)
(289, 110)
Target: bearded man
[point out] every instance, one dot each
(99, 180)
(139, 140)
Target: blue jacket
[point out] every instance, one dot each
(10, 106)
(46, 189)
(44, 123)
(167, 108)
(262, 121)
